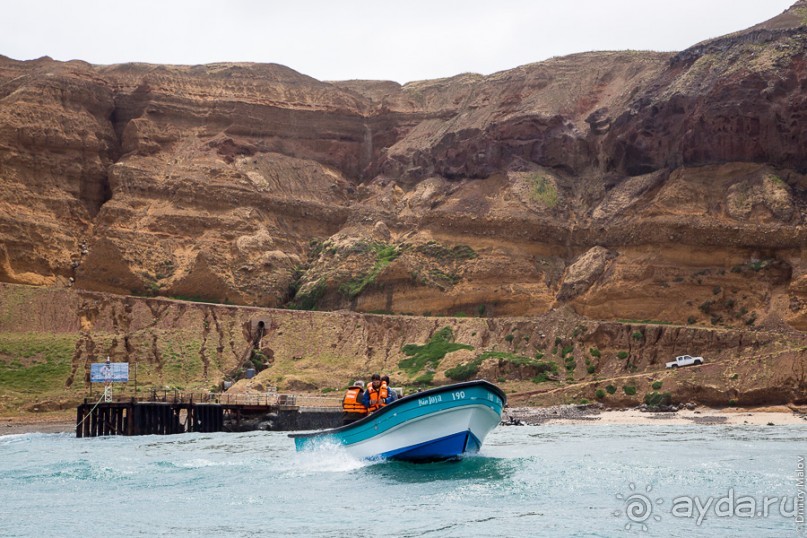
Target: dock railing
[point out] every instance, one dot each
(267, 399)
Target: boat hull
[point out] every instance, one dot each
(437, 424)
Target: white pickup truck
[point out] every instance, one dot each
(684, 360)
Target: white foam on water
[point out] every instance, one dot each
(200, 462)
(326, 457)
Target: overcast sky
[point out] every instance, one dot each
(364, 39)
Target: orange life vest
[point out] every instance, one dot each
(351, 403)
(377, 396)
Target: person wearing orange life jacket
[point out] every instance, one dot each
(352, 403)
(377, 394)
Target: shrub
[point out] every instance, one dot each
(733, 403)
(600, 394)
(544, 191)
(610, 389)
(509, 337)
(657, 385)
(691, 320)
(566, 350)
(546, 366)
(622, 355)
(425, 379)
(385, 254)
(259, 361)
(734, 377)
(442, 279)
(591, 369)
(656, 399)
(467, 370)
(464, 371)
(431, 353)
(630, 390)
(308, 300)
(637, 335)
(594, 352)
(540, 378)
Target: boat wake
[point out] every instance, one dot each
(326, 457)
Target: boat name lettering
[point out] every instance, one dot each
(459, 395)
(494, 398)
(430, 400)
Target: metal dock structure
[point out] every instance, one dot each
(173, 413)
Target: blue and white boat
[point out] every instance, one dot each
(441, 423)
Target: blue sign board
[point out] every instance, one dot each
(109, 372)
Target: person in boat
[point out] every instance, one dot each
(393, 395)
(354, 408)
(377, 394)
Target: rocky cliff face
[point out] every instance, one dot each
(51, 336)
(626, 185)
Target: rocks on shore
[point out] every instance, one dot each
(519, 416)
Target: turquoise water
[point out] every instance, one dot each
(531, 481)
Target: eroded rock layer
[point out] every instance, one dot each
(54, 335)
(627, 185)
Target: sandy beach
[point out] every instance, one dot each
(572, 414)
(57, 422)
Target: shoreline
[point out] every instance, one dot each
(587, 414)
(61, 422)
(57, 422)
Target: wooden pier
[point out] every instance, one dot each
(180, 413)
(147, 418)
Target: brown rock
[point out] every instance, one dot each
(241, 182)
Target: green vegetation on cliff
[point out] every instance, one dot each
(544, 191)
(384, 255)
(467, 370)
(34, 362)
(431, 353)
